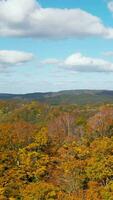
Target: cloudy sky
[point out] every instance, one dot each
(51, 45)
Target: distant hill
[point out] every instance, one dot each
(65, 97)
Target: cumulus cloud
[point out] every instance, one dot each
(22, 18)
(80, 63)
(9, 58)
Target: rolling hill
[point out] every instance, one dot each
(65, 97)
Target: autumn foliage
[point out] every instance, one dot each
(55, 152)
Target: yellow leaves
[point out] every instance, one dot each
(33, 161)
(33, 158)
(80, 151)
(100, 169)
(15, 135)
(35, 166)
(1, 169)
(100, 163)
(32, 146)
(102, 145)
(107, 191)
(1, 192)
(40, 171)
(41, 137)
(39, 191)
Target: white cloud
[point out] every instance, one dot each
(80, 63)
(108, 53)
(110, 6)
(9, 58)
(28, 18)
(50, 61)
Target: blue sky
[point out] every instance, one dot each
(68, 46)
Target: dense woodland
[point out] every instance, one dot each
(60, 152)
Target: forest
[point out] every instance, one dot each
(62, 152)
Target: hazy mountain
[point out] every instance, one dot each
(65, 97)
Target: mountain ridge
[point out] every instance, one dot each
(64, 96)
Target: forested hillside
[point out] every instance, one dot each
(60, 152)
(79, 97)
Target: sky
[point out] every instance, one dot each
(53, 45)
